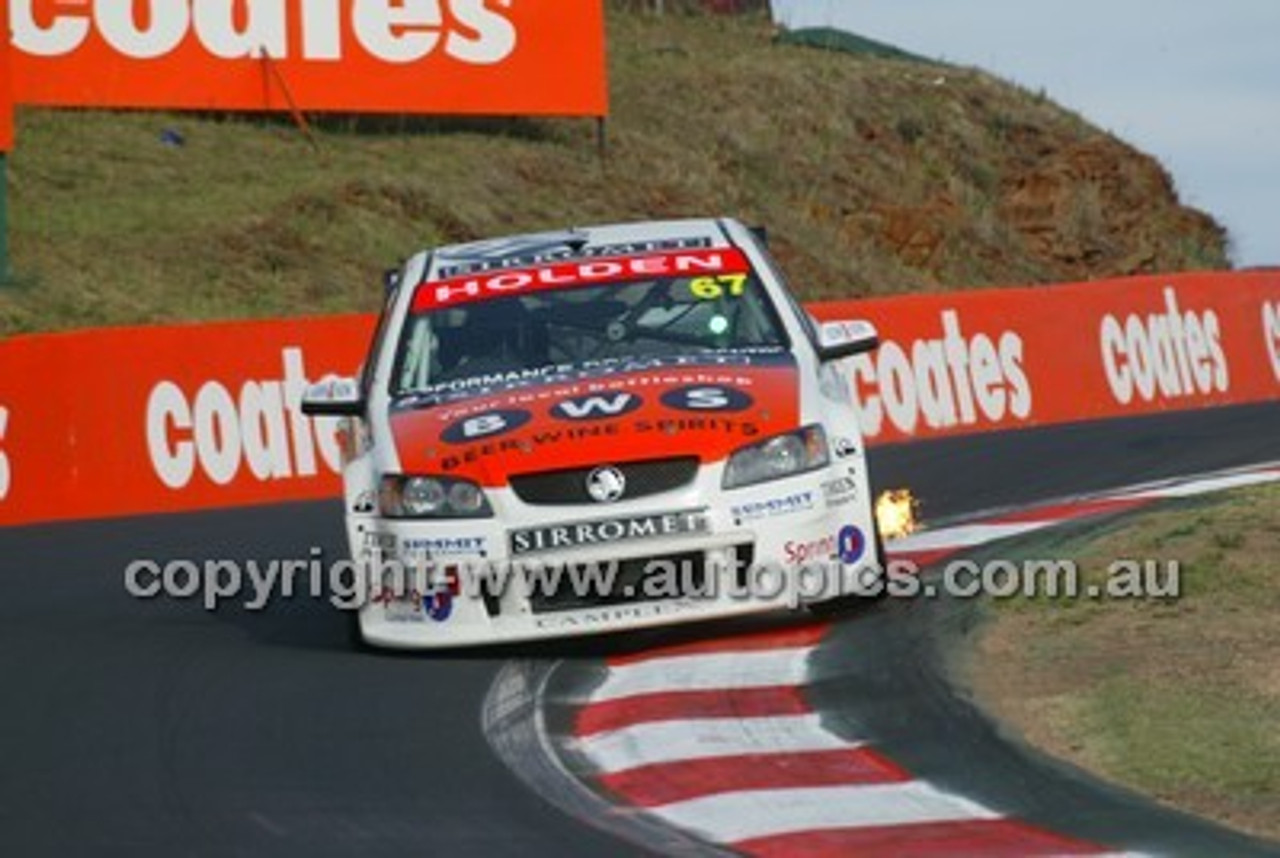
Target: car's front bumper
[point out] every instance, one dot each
(778, 557)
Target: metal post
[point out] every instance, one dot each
(4, 219)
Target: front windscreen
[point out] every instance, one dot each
(655, 318)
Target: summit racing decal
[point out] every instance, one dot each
(467, 289)
(606, 531)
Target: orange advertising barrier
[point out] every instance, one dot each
(1009, 358)
(128, 421)
(124, 421)
(424, 56)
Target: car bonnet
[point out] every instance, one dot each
(678, 408)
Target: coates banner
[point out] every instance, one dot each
(125, 421)
(526, 57)
(130, 421)
(1012, 358)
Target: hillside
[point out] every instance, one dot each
(873, 175)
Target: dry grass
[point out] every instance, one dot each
(874, 176)
(1177, 698)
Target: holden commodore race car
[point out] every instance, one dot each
(600, 429)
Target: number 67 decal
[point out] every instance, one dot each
(712, 288)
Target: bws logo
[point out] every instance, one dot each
(393, 31)
(485, 425)
(1271, 333)
(263, 427)
(1168, 355)
(5, 473)
(596, 407)
(955, 380)
(706, 398)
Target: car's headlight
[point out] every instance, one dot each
(777, 457)
(432, 497)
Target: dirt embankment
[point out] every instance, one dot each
(874, 176)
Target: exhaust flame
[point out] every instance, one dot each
(896, 513)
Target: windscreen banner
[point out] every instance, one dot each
(129, 421)
(451, 57)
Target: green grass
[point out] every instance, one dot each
(874, 175)
(1179, 698)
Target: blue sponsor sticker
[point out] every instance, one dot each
(438, 606)
(485, 425)
(851, 544)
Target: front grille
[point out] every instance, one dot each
(569, 486)
(686, 573)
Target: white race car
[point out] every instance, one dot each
(599, 429)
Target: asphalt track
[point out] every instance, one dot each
(156, 728)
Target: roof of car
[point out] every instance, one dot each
(625, 239)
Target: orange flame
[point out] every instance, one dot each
(896, 513)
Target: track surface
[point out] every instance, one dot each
(155, 728)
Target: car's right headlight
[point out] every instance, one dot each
(407, 496)
(775, 458)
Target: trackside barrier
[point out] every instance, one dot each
(139, 420)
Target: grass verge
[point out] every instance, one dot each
(1178, 698)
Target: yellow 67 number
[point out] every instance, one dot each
(711, 288)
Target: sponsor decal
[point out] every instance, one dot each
(851, 544)
(531, 442)
(378, 542)
(531, 251)
(435, 604)
(612, 615)
(6, 473)
(754, 510)
(840, 491)
(619, 373)
(261, 427)
(463, 290)
(1168, 355)
(954, 380)
(597, 407)
(365, 502)
(798, 553)
(1271, 332)
(843, 448)
(485, 425)
(445, 546)
(606, 531)
(707, 398)
(438, 605)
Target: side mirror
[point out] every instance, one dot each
(844, 339)
(390, 280)
(333, 397)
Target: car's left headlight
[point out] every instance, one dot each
(407, 496)
(777, 457)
